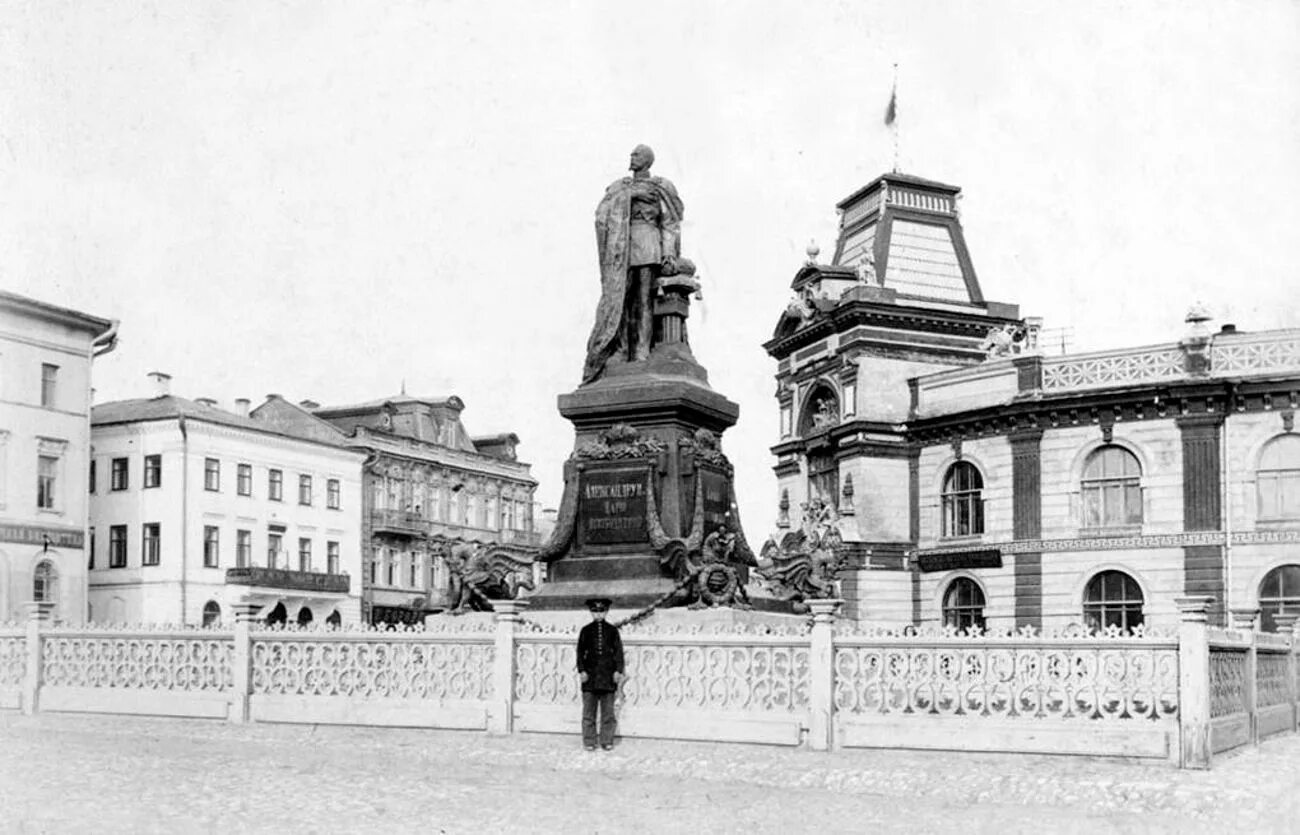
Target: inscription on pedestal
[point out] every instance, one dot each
(612, 506)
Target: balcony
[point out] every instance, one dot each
(281, 578)
(401, 522)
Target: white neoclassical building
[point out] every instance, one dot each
(46, 353)
(195, 508)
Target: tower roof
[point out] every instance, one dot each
(904, 233)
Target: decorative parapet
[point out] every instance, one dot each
(1107, 369)
(1255, 353)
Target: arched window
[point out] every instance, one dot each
(211, 613)
(45, 582)
(1278, 480)
(277, 616)
(963, 507)
(963, 604)
(335, 619)
(1112, 489)
(1279, 594)
(304, 616)
(1112, 598)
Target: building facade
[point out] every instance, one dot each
(979, 482)
(429, 486)
(46, 354)
(195, 508)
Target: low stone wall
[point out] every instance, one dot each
(1179, 696)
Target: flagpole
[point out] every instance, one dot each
(893, 111)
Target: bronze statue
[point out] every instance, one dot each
(805, 564)
(478, 578)
(638, 239)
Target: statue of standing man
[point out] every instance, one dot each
(638, 239)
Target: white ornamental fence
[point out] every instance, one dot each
(822, 683)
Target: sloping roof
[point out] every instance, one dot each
(397, 400)
(66, 315)
(172, 407)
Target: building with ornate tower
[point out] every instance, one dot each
(978, 482)
(428, 486)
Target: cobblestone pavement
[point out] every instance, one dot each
(65, 773)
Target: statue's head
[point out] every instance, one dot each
(642, 158)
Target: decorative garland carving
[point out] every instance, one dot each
(618, 442)
(704, 446)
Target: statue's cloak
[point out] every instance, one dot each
(613, 235)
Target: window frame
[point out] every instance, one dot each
(117, 546)
(964, 614)
(152, 464)
(243, 479)
(273, 538)
(47, 481)
(1273, 605)
(243, 548)
(150, 544)
(333, 494)
(1127, 487)
(332, 557)
(275, 485)
(954, 499)
(45, 582)
(304, 554)
(49, 385)
(211, 546)
(1281, 478)
(114, 471)
(212, 475)
(304, 490)
(1095, 611)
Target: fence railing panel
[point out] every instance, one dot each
(13, 665)
(180, 673)
(1230, 716)
(999, 694)
(414, 679)
(746, 688)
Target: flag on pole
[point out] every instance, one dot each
(891, 112)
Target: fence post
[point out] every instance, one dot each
(501, 708)
(242, 674)
(38, 614)
(1193, 682)
(1286, 625)
(821, 669)
(1243, 619)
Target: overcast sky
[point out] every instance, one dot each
(324, 200)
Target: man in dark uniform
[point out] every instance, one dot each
(600, 669)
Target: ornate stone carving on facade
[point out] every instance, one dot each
(804, 564)
(846, 496)
(478, 577)
(1005, 341)
(783, 510)
(712, 573)
(1288, 420)
(826, 412)
(704, 446)
(620, 441)
(866, 271)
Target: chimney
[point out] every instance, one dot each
(309, 405)
(1228, 328)
(209, 402)
(162, 383)
(241, 406)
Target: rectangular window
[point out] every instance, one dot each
(332, 497)
(274, 544)
(275, 485)
(332, 557)
(304, 554)
(49, 384)
(244, 479)
(415, 571)
(90, 557)
(117, 546)
(304, 489)
(92, 476)
(151, 544)
(117, 479)
(153, 471)
(211, 474)
(211, 546)
(47, 468)
(243, 549)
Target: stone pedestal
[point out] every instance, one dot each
(646, 484)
